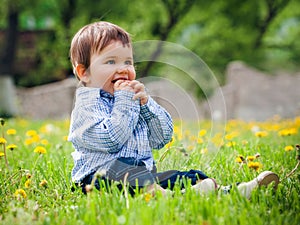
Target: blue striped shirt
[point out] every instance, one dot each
(105, 127)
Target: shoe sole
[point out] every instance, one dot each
(268, 179)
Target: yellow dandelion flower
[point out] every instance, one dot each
(240, 159)
(176, 129)
(11, 132)
(288, 148)
(2, 154)
(31, 133)
(147, 197)
(2, 140)
(228, 137)
(28, 141)
(193, 138)
(293, 131)
(47, 128)
(255, 165)
(202, 132)
(282, 133)
(43, 183)
(287, 132)
(65, 138)
(231, 144)
(190, 147)
(261, 134)
(20, 193)
(245, 142)
(297, 120)
(170, 143)
(200, 140)
(11, 147)
(35, 138)
(40, 150)
(187, 132)
(27, 183)
(44, 142)
(251, 158)
(204, 150)
(231, 135)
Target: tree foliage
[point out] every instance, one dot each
(262, 33)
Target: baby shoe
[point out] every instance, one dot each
(205, 186)
(263, 179)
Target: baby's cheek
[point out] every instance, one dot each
(132, 74)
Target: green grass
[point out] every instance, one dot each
(55, 203)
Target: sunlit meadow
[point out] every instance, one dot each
(35, 166)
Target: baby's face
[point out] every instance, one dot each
(115, 62)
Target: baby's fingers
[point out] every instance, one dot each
(142, 96)
(139, 95)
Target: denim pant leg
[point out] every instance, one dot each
(168, 179)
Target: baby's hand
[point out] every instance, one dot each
(139, 90)
(123, 85)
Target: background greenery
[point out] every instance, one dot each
(262, 33)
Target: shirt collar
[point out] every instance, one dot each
(104, 94)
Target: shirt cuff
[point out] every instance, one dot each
(149, 110)
(125, 99)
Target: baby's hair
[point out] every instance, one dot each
(93, 38)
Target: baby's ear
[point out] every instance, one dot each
(81, 72)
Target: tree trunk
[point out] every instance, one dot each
(8, 54)
(8, 97)
(8, 101)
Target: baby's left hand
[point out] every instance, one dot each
(139, 90)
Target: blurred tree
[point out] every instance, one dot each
(224, 31)
(7, 55)
(7, 59)
(176, 10)
(273, 8)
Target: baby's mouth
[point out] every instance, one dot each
(114, 81)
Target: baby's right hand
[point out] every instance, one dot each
(123, 85)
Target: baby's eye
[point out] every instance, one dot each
(111, 61)
(128, 62)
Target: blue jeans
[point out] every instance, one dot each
(137, 175)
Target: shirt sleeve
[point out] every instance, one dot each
(159, 123)
(100, 130)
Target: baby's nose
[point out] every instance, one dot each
(123, 70)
